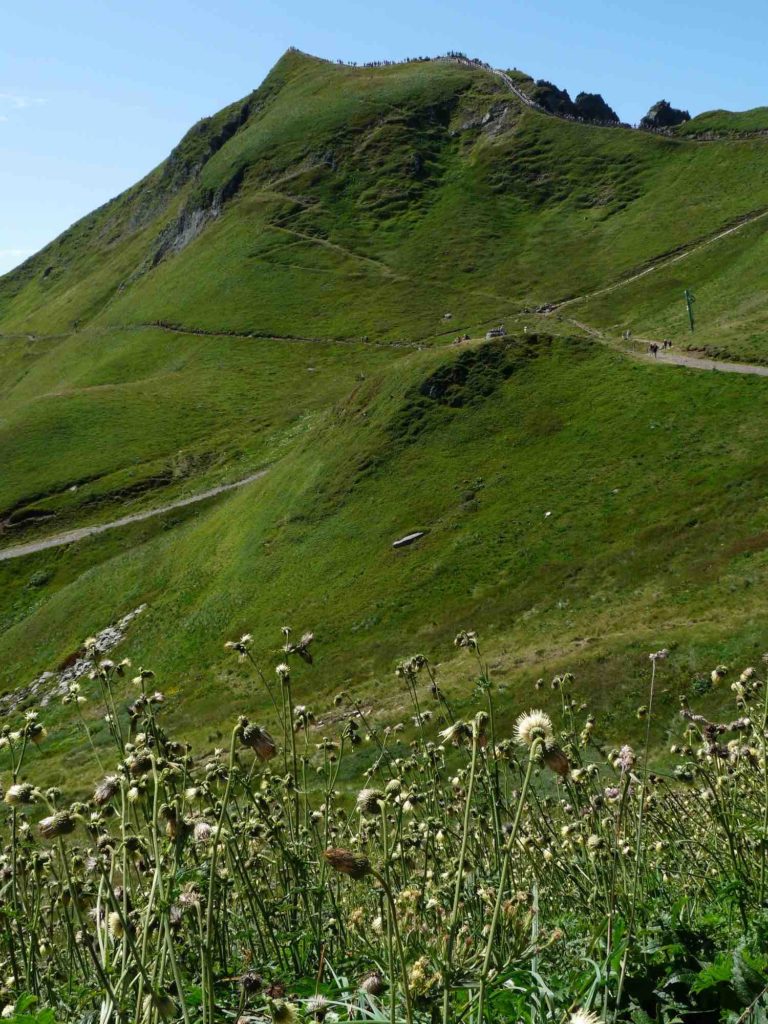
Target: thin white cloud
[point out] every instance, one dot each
(18, 101)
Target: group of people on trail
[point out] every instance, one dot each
(654, 346)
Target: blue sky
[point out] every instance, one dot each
(94, 93)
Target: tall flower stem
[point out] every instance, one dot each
(535, 748)
(398, 942)
(638, 843)
(764, 836)
(454, 918)
(209, 914)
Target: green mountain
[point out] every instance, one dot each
(283, 292)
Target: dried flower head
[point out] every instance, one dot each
(251, 982)
(162, 1004)
(20, 793)
(457, 734)
(190, 896)
(346, 862)
(317, 1007)
(241, 646)
(203, 832)
(106, 789)
(140, 763)
(258, 739)
(465, 638)
(116, 928)
(59, 824)
(369, 801)
(555, 760)
(301, 647)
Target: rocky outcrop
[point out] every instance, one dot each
(590, 106)
(664, 115)
(556, 101)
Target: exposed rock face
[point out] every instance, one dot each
(664, 115)
(205, 206)
(51, 685)
(556, 101)
(590, 106)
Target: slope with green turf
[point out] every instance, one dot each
(274, 294)
(580, 510)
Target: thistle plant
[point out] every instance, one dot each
(490, 864)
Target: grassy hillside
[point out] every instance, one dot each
(274, 295)
(581, 509)
(725, 123)
(342, 202)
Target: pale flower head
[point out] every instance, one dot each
(584, 1017)
(533, 725)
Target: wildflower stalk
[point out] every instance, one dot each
(764, 835)
(453, 921)
(532, 757)
(642, 794)
(209, 919)
(390, 955)
(400, 952)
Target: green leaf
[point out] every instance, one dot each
(639, 1016)
(713, 975)
(747, 982)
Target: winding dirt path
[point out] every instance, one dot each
(19, 550)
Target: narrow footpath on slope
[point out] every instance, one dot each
(673, 359)
(19, 550)
(697, 363)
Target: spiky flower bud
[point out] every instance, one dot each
(373, 983)
(283, 1012)
(369, 801)
(20, 793)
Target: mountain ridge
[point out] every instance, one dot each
(207, 136)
